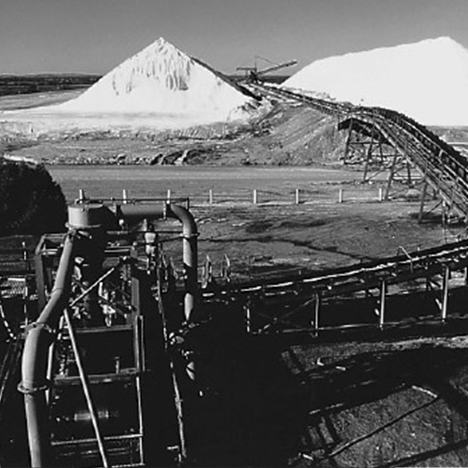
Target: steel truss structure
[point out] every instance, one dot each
(318, 304)
(407, 144)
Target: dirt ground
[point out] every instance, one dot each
(366, 406)
(363, 405)
(272, 239)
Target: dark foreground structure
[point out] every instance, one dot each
(122, 358)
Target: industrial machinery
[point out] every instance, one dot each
(99, 386)
(121, 362)
(126, 360)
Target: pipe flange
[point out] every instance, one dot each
(32, 390)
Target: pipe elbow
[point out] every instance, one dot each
(185, 217)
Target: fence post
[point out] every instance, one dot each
(318, 302)
(380, 194)
(445, 288)
(340, 195)
(255, 196)
(168, 195)
(124, 196)
(248, 318)
(383, 293)
(210, 196)
(25, 255)
(298, 199)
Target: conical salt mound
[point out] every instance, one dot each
(162, 80)
(427, 81)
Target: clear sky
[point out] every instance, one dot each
(93, 36)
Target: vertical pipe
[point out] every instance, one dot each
(255, 196)
(189, 242)
(211, 197)
(190, 254)
(124, 196)
(38, 430)
(35, 357)
(298, 199)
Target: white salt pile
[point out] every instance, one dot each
(161, 79)
(158, 86)
(427, 81)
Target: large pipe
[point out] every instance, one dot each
(130, 212)
(40, 334)
(34, 361)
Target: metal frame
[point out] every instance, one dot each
(282, 306)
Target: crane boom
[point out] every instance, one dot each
(253, 73)
(277, 67)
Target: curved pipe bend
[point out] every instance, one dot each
(35, 353)
(189, 232)
(40, 334)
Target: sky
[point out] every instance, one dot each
(94, 36)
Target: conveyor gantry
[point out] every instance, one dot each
(442, 166)
(278, 298)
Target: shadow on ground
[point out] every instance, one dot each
(372, 377)
(263, 404)
(251, 410)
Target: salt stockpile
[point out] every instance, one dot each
(427, 81)
(159, 85)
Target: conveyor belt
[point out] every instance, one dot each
(443, 166)
(334, 282)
